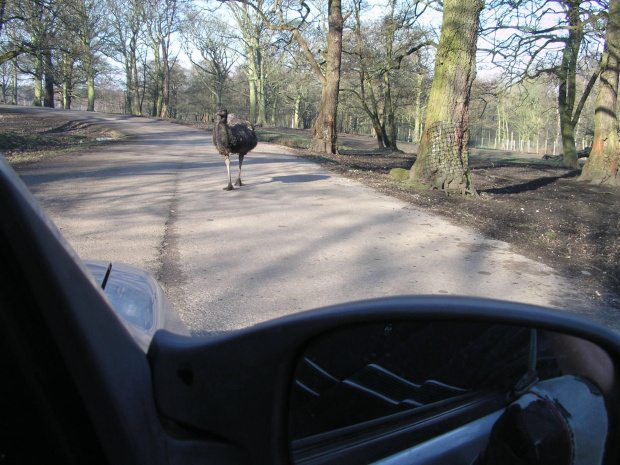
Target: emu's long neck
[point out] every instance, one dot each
(224, 128)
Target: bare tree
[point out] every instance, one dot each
(294, 18)
(378, 52)
(254, 35)
(34, 29)
(208, 37)
(526, 45)
(87, 23)
(9, 49)
(127, 47)
(163, 18)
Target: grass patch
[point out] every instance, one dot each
(551, 235)
(288, 140)
(20, 148)
(11, 140)
(400, 173)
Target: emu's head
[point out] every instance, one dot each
(223, 113)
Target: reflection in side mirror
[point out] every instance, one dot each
(448, 392)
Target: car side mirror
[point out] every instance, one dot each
(414, 379)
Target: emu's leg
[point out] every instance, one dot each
(227, 161)
(238, 181)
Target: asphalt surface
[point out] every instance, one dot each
(296, 237)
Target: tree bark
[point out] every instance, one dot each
(90, 82)
(136, 108)
(603, 164)
(4, 57)
(128, 87)
(14, 101)
(37, 99)
(48, 94)
(448, 106)
(165, 109)
(567, 77)
(324, 133)
(418, 111)
(67, 84)
(388, 108)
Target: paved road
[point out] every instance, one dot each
(295, 237)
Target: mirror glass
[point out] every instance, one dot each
(449, 392)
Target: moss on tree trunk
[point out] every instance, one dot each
(448, 106)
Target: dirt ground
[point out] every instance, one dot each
(26, 138)
(533, 204)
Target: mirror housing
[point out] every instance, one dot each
(235, 388)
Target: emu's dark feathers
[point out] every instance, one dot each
(233, 135)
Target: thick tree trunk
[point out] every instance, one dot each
(447, 120)
(603, 165)
(324, 133)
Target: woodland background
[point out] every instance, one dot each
(184, 59)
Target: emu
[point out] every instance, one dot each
(233, 135)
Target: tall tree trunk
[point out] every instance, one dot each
(90, 89)
(567, 77)
(418, 111)
(253, 100)
(14, 101)
(274, 108)
(128, 87)
(157, 97)
(296, 112)
(603, 165)
(136, 109)
(261, 92)
(67, 85)
(90, 82)
(164, 111)
(37, 98)
(256, 78)
(48, 94)
(324, 133)
(448, 106)
(367, 94)
(389, 122)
